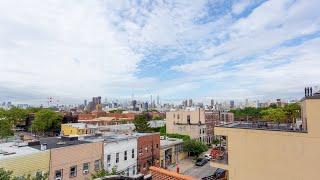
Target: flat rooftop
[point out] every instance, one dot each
(165, 143)
(14, 149)
(56, 142)
(266, 126)
(110, 138)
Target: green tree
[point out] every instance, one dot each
(141, 124)
(5, 128)
(292, 112)
(104, 173)
(16, 115)
(194, 148)
(46, 120)
(274, 114)
(5, 175)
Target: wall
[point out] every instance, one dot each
(28, 164)
(163, 174)
(265, 155)
(148, 151)
(65, 157)
(111, 148)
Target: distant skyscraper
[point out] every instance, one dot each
(212, 103)
(158, 100)
(190, 103)
(185, 103)
(85, 102)
(232, 104)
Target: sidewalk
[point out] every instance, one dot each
(184, 165)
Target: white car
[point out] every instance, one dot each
(208, 157)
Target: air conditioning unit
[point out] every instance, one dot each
(58, 178)
(85, 171)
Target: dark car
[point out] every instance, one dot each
(219, 174)
(201, 161)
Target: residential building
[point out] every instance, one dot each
(171, 151)
(22, 159)
(163, 174)
(101, 121)
(148, 151)
(197, 123)
(267, 151)
(73, 129)
(120, 152)
(71, 158)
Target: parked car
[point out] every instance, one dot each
(201, 161)
(208, 157)
(219, 174)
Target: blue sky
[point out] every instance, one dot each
(219, 49)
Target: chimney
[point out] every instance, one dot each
(305, 91)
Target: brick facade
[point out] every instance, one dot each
(163, 174)
(148, 151)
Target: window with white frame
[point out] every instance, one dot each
(73, 171)
(85, 168)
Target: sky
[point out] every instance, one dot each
(73, 50)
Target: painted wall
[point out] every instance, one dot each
(112, 148)
(65, 157)
(27, 164)
(265, 155)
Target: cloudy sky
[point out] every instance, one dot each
(73, 50)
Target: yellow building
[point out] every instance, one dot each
(72, 129)
(273, 153)
(23, 160)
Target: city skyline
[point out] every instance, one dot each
(179, 50)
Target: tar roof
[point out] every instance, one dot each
(56, 142)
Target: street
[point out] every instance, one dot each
(200, 171)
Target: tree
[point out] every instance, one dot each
(16, 115)
(292, 112)
(46, 120)
(5, 128)
(277, 115)
(194, 148)
(103, 173)
(5, 175)
(141, 123)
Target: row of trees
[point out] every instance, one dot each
(45, 120)
(287, 114)
(7, 175)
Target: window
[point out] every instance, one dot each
(132, 155)
(117, 157)
(200, 131)
(203, 131)
(108, 158)
(127, 171)
(157, 145)
(188, 119)
(58, 174)
(178, 116)
(85, 168)
(125, 155)
(97, 165)
(134, 170)
(73, 171)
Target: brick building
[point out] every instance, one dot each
(148, 151)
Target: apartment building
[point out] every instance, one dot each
(71, 158)
(197, 123)
(74, 129)
(22, 159)
(273, 152)
(148, 151)
(120, 152)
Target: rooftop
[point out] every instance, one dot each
(56, 142)
(267, 126)
(164, 143)
(81, 125)
(13, 149)
(110, 138)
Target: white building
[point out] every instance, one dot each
(120, 151)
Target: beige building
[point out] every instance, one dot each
(273, 152)
(171, 152)
(187, 122)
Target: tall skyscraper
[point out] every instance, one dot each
(231, 104)
(158, 100)
(190, 103)
(212, 103)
